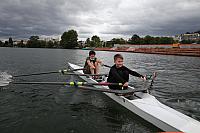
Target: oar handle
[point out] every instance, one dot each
(106, 65)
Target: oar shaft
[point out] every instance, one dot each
(152, 81)
(69, 83)
(42, 73)
(64, 71)
(46, 83)
(107, 66)
(86, 74)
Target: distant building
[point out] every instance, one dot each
(190, 36)
(47, 39)
(81, 44)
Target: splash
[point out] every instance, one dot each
(5, 78)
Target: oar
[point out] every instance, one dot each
(80, 85)
(106, 65)
(5, 83)
(103, 74)
(64, 71)
(153, 77)
(152, 81)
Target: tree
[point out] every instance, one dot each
(197, 32)
(135, 39)
(157, 40)
(88, 41)
(34, 38)
(148, 39)
(109, 44)
(42, 44)
(33, 42)
(21, 44)
(69, 39)
(198, 42)
(95, 41)
(56, 44)
(50, 44)
(118, 41)
(6, 44)
(166, 40)
(1, 44)
(186, 41)
(10, 42)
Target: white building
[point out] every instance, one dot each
(191, 36)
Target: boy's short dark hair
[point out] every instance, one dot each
(118, 56)
(92, 52)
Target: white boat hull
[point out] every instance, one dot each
(151, 110)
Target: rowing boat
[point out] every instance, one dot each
(150, 109)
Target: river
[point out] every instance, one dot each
(60, 109)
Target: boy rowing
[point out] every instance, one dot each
(120, 74)
(92, 64)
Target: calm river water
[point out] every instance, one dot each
(59, 109)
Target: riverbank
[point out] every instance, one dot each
(166, 51)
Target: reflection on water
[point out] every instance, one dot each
(46, 108)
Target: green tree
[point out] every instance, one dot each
(34, 38)
(69, 39)
(95, 41)
(118, 41)
(56, 44)
(33, 42)
(21, 44)
(166, 40)
(42, 44)
(6, 44)
(109, 44)
(148, 39)
(135, 39)
(157, 40)
(10, 42)
(186, 41)
(87, 42)
(50, 44)
(1, 44)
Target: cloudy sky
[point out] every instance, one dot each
(106, 18)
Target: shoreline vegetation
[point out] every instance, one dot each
(135, 44)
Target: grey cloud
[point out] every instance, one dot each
(111, 18)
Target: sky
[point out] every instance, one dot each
(107, 19)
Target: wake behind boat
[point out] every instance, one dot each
(150, 109)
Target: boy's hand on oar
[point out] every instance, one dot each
(144, 78)
(125, 84)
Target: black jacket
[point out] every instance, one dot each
(120, 75)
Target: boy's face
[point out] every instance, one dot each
(119, 62)
(92, 56)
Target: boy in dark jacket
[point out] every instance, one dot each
(120, 74)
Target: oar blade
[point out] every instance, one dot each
(4, 83)
(5, 79)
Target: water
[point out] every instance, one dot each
(45, 108)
